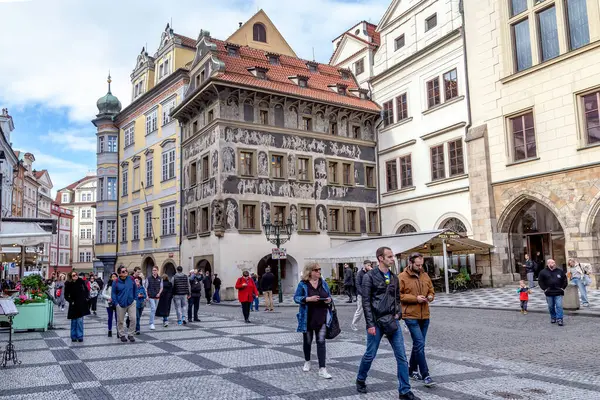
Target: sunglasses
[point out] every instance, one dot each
(123, 272)
(317, 270)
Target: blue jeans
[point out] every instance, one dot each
(217, 295)
(418, 332)
(555, 306)
(77, 328)
(255, 303)
(112, 314)
(153, 304)
(397, 342)
(582, 290)
(138, 314)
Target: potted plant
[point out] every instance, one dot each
(34, 307)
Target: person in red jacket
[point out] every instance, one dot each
(246, 293)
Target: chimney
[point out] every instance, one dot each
(240, 25)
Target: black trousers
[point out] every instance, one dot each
(307, 338)
(524, 305)
(349, 291)
(93, 303)
(193, 302)
(208, 294)
(246, 310)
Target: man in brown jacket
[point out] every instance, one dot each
(416, 292)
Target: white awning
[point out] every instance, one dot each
(23, 234)
(429, 243)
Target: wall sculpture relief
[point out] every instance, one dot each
(265, 210)
(228, 157)
(231, 214)
(199, 144)
(217, 208)
(263, 164)
(291, 165)
(215, 162)
(294, 216)
(322, 217)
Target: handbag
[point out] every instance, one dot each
(388, 323)
(333, 329)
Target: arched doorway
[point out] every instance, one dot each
(147, 266)
(289, 272)
(169, 269)
(203, 266)
(536, 231)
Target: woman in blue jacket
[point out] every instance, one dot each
(314, 297)
(140, 302)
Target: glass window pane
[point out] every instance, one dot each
(522, 45)
(518, 6)
(594, 135)
(548, 33)
(579, 32)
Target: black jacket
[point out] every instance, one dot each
(267, 281)
(359, 280)
(348, 277)
(530, 266)
(553, 282)
(217, 283)
(78, 296)
(181, 285)
(380, 299)
(163, 309)
(207, 283)
(196, 285)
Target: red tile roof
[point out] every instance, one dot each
(72, 186)
(38, 174)
(371, 31)
(186, 41)
(236, 71)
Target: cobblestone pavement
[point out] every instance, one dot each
(487, 298)
(472, 355)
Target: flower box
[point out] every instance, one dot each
(32, 316)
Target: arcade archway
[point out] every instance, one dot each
(147, 266)
(169, 269)
(290, 274)
(203, 266)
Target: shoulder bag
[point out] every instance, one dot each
(388, 323)
(333, 329)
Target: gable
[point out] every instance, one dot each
(395, 10)
(275, 41)
(45, 180)
(348, 47)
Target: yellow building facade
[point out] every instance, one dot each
(148, 212)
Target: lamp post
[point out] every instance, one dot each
(273, 233)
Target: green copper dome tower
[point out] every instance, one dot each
(108, 104)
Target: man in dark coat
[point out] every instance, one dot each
(553, 281)
(217, 284)
(207, 281)
(348, 282)
(194, 302)
(78, 295)
(266, 285)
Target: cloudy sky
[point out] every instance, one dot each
(55, 56)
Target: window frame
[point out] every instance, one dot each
(284, 167)
(428, 20)
(168, 164)
(286, 211)
(402, 106)
(431, 92)
(255, 216)
(123, 228)
(406, 182)
(256, 34)
(356, 213)
(454, 157)
(388, 178)
(193, 173)
(192, 221)
(446, 88)
(309, 171)
(330, 180)
(148, 224)
(399, 42)
(582, 115)
(434, 176)
(369, 230)
(351, 180)
(149, 171)
(168, 216)
(253, 166)
(388, 113)
(340, 214)
(205, 167)
(152, 121)
(509, 121)
(307, 123)
(124, 180)
(204, 210)
(311, 218)
(135, 226)
(359, 65)
(370, 183)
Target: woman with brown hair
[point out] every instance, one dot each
(163, 309)
(313, 296)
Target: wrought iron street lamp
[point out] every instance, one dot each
(278, 234)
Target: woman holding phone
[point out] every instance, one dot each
(313, 296)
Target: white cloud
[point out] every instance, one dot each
(77, 139)
(66, 47)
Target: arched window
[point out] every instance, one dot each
(260, 33)
(279, 118)
(406, 228)
(454, 225)
(248, 111)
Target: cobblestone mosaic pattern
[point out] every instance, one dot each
(223, 358)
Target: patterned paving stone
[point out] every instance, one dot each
(251, 330)
(205, 387)
(18, 378)
(59, 394)
(114, 369)
(24, 336)
(181, 334)
(216, 343)
(117, 350)
(87, 331)
(30, 344)
(219, 324)
(35, 357)
(280, 338)
(337, 349)
(251, 357)
(92, 341)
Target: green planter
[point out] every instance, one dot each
(32, 316)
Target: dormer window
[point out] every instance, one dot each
(312, 66)
(233, 50)
(345, 74)
(302, 82)
(273, 59)
(259, 72)
(341, 89)
(363, 95)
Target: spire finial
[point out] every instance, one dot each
(109, 81)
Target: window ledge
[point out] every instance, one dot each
(123, 242)
(168, 236)
(522, 161)
(191, 235)
(204, 234)
(149, 186)
(444, 104)
(206, 180)
(166, 180)
(374, 234)
(311, 232)
(249, 176)
(250, 231)
(560, 58)
(396, 124)
(446, 180)
(135, 191)
(397, 191)
(124, 195)
(130, 145)
(168, 123)
(150, 133)
(135, 240)
(147, 238)
(589, 146)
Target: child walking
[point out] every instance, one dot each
(523, 292)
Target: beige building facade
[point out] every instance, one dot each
(533, 145)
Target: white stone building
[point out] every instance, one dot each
(8, 161)
(80, 198)
(355, 49)
(419, 80)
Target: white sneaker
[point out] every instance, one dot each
(324, 374)
(306, 367)
(152, 327)
(354, 328)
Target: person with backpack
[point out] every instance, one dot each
(94, 292)
(381, 304)
(207, 282)
(123, 296)
(266, 284)
(194, 305)
(217, 285)
(140, 302)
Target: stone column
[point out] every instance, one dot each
(494, 266)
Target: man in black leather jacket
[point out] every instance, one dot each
(381, 305)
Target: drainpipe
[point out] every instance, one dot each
(467, 87)
(376, 132)
(180, 188)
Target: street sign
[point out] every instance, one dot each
(278, 254)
